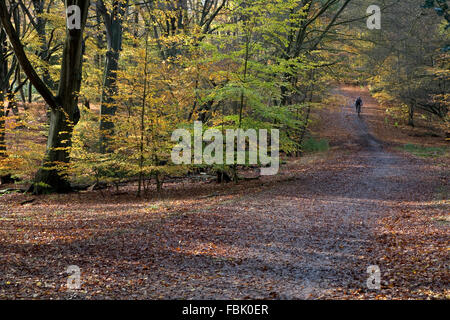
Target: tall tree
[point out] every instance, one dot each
(3, 88)
(113, 20)
(63, 105)
(303, 36)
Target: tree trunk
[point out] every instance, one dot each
(411, 115)
(114, 31)
(303, 131)
(108, 106)
(43, 53)
(30, 92)
(4, 86)
(51, 175)
(2, 127)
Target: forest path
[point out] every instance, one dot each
(303, 238)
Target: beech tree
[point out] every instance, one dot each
(113, 20)
(63, 105)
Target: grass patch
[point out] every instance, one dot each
(152, 208)
(425, 152)
(313, 145)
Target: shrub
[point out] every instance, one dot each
(313, 145)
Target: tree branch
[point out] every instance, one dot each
(29, 70)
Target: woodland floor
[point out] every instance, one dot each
(309, 232)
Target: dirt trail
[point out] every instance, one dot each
(305, 238)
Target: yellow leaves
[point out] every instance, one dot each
(10, 163)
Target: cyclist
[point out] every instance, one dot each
(358, 105)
